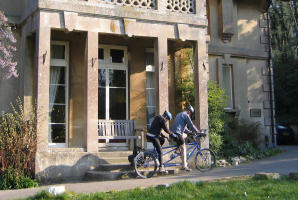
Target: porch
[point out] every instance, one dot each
(93, 75)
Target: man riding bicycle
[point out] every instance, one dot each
(181, 125)
(155, 135)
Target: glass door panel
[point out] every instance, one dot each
(118, 103)
(58, 95)
(112, 84)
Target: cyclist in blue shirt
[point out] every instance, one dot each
(181, 125)
(155, 135)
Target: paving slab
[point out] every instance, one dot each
(283, 164)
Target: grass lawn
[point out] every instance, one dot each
(224, 189)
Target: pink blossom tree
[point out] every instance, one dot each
(7, 42)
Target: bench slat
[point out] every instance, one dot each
(116, 128)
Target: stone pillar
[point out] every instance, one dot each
(201, 84)
(172, 94)
(91, 92)
(161, 60)
(43, 46)
(138, 83)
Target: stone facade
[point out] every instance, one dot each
(239, 38)
(84, 26)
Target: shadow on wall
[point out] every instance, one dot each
(66, 173)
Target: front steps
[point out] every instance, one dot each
(116, 167)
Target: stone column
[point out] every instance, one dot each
(201, 84)
(43, 46)
(91, 92)
(161, 71)
(172, 94)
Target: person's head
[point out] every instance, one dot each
(190, 110)
(167, 115)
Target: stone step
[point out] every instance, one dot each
(113, 167)
(105, 176)
(95, 175)
(110, 154)
(115, 160)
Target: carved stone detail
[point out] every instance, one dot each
(148, 4)
(183, 6)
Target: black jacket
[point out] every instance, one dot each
(158, 123)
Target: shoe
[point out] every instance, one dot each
(162, 170)
(186, 169)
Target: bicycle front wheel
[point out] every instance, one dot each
(145, 164)
(205, 160)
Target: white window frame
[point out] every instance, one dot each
(62, 63)
(108, 65)
(149, 68)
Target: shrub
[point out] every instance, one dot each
(17, 145)
(15, 179)
(215, 141)
(243, 131)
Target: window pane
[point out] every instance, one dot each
(117, 78)
(227, 84)
(116, 56)
(100, 54)
(150, 97)
(102, 77)
(150, 80)
(101, 103)
(118, 103)
(150, 114)
(149, 58)
(57, 94)
(57, 75)
(57, 132)
(57, 51)
(57, 114)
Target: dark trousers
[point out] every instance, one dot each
(157, 143)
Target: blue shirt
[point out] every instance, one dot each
(183, 123)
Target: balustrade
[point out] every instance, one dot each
(180, 6)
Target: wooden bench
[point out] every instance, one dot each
(117, 129)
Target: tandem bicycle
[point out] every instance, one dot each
(146, 161)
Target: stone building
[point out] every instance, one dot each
(93, 66)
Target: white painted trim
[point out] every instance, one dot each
(107, 65)
(63, 63)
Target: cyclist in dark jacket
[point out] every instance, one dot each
(155, 135)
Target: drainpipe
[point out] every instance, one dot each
(272, 100)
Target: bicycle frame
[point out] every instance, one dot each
(190, 150)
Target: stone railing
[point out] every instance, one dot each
(149, 4)
(180, 6)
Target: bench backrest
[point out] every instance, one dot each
(116, 128)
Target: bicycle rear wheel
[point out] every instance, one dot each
(145, 164)
(205, 160)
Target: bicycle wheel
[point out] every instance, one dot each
(205, 160)
(145, 164)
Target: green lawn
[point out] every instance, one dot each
(232, 189)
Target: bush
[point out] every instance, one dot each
(243, 131)
(15, 179)
(215, 141)
(17, 147)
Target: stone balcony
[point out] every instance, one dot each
(170, 11)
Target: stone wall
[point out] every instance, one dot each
(243, 44)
